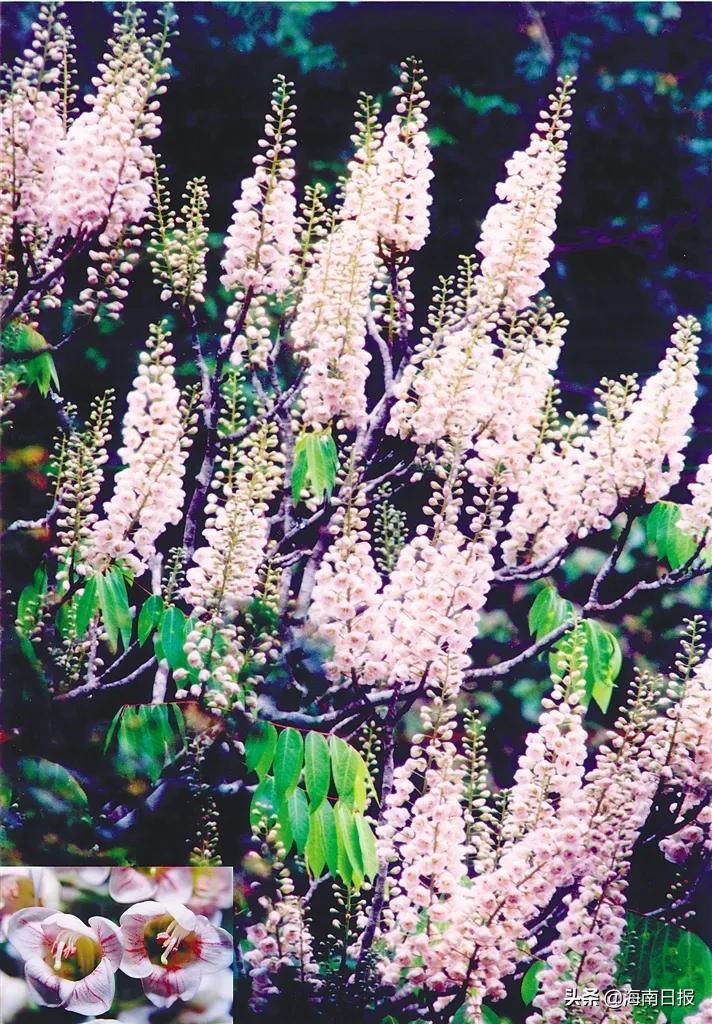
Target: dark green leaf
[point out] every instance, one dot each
(173, 636)
(298, 813)
(344, 767)
(530, 982)
(52, 788)
(86, 606)
(548, 612)
(260, 746)
(671, 544)
(367, 844)
(288, 759)
(348, 836)
(657, 955)
(324, 840)
(150, 617)
(317, 768)
(263, 803)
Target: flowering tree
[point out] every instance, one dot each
(300, 544)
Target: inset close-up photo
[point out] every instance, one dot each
(131, 945)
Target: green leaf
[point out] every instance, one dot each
(150, 617)
(284, 826)
(530, 982)
(315, 464)
(299, 470)
(323, 840)
(173, 636)
(260, 746)
(603, 657)
(29, 601)
(671, 544)
(263, 803)
(143, 740)
(317, 768)
(548, 612)
(86, 606)
(298, 813)
(348, 837)
(108, 615)
(657, 955)
(344, 767)
(288, 758)
(52, 788)
(367, 844)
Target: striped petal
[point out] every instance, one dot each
(175, 884)
(95, 993)
(109, 937)
(164, 986)
(24, 931)
(129, 886)
(215, 949)
(44, 985)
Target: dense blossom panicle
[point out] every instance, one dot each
(330, 325)
(344, 603)
(148, 493)
(283, 941)
(516, 239)
(446, 390)
(696, 517)
(402, 167)
(225, 569)
(70, 178)
(179, 243)
(261, 241)
(635, 448)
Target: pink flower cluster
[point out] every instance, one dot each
(516, 239)
(225, 569)
(578, 485)
(421, 623)
(148, 494)
(86, 177)
(282, 942)
(330, 325)
(402, 167)
(451, 384)
(696, 518)
(261, 240)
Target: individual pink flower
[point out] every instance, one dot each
(212, 892)
(25, 887)
(87, 876)
(68, 964)
(170, 949)
(129, 885)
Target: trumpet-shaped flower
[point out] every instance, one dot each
(129, 885)
(170, 949)
(68, 964)
(25, 887)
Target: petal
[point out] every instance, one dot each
(215, 948)
(185, 918)
(24, 931)
(109, 937)
(95, 993)
(44, 985)
(175, 884)
(128, 885)
(164, 986)
(57, 923)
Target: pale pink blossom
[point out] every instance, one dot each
(68, 964)
(21, 888)
(171, 949)
(131, 885)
